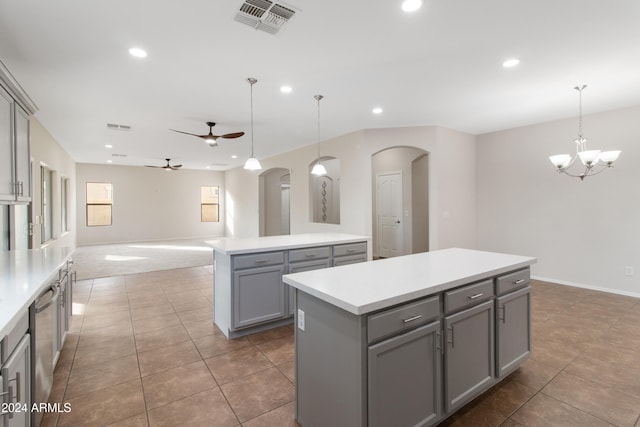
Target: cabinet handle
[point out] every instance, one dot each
(451, 342)
(412, 318)
(476, 296)
(21, 188)
(17, 380)
(504, 313)
(439, 342)
(519, 281)
(10, 401)
(351, 250)
(310, 255)
(261, 261)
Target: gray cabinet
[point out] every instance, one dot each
(16, 383)
(23, 155)
(405, 378)
(7, 183)
(64, 308)
(306, 260)
(258, 295)
(513, 330)
(250, 295)
(350, 253)
(469, 354)
(15, 161)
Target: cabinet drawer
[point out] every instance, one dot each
(400, 319)
(309, 254)
(468, 296)
(258, 260)
(350, 249)
(512, 281)
(11, 340)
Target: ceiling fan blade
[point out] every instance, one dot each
(232, 135)
(150, 166)
(188, 133)
(176, 166)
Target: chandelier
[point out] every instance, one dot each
(594, 161)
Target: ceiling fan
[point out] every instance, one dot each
(167, 167)
(210, 138)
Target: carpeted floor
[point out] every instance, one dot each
(92, 262)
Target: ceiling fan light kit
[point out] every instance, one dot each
(252, 163)
(594, 161)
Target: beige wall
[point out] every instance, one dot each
(451, 184)
(582, 233)
(46, 151)
(149, 204)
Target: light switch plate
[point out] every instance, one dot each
(301, 320)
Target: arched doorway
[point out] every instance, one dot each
(274, 201)
(400, 183)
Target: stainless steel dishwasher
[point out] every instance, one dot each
(44, 310)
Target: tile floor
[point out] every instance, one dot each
(145, 353)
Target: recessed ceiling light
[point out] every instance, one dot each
(377, 110)
(510, 63)
(411, 5)
(234, 157)
(108, 146)
(109, 161)
(137, 52)
(286, 89)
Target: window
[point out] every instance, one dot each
(209, 205)
(99, 203)
(47, 209)
(64, 204)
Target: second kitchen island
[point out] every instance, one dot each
(409, 340)
(249, 295)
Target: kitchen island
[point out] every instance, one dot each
(249, 295)
(409, 340)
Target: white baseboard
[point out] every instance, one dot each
(581, 285)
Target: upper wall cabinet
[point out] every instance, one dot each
(15, 158)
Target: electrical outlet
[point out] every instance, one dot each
(628, 271)
(301, 320)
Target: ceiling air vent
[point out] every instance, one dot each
(264, 15)
(115, 126)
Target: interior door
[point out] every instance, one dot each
(389, 214)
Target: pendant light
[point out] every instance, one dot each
(318, 168)
(252, 163)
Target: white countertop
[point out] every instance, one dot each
(366, 287)
(23, 276)
(248, 245)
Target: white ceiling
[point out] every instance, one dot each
(440, 66)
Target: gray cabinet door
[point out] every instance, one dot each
(23, 157)
(469, 354)
(17, 381)
(513, 338)
(258, 295)
(7, 179)
(405, 379)
(298, 267)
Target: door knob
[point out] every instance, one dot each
(397, 222)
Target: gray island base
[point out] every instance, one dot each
(249, 295)
(407, 341)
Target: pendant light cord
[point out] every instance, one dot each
(251, 82)
(318, 98)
